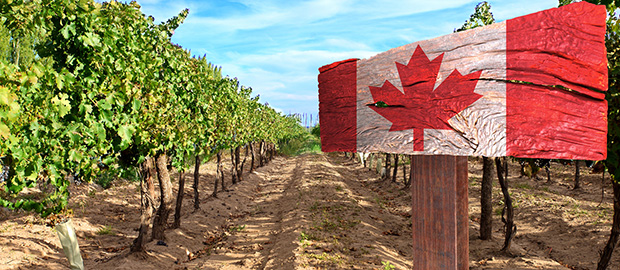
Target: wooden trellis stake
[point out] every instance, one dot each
(439, 214)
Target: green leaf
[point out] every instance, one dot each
(86, 109)
(100, 131)
(75, 155)
(59, 82)
(62, 104)
(5, 96)
(67, 30)
(126, 132)
(104, 105)
(5, 132)
(107, 160)
(31, 171)
(91, 40)
(135, 105)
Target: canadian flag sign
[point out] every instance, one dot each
(528, 87)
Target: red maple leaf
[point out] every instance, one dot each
(420, 106)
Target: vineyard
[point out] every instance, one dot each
(90, 89)
(104, 121)
(317, 211)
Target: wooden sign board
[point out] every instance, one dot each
(527, 87)
(439, 219)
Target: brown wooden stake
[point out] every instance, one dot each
(439, 216)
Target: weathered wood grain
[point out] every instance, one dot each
(541, 77)
(462, 214)
(469, 51)
(557, 47)
(337, 106)
(439, 212)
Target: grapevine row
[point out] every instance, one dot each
(106, 87)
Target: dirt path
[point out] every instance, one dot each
(263, 238)
(308, 212)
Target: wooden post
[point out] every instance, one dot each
(440, 214)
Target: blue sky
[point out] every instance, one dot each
(277, 46)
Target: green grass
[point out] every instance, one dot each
(523, 186)
(237, 228)
(307, 143)
(106, 230)
(307, 236)
(387, 265)
(335, 258)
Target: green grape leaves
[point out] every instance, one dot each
(108, 79)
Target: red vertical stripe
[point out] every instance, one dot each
(338, 106)
(564, 47)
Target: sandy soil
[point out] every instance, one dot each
(316, 212)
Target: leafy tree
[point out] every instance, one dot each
(482, 16)
(316, 131)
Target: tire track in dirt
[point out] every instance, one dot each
(279, 254)
(355, 220)
(318, 212)
(266, 237)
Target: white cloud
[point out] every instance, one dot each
(287, 80)
(286, 97)
(346, 44)
(264, 14)
(293, 60)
